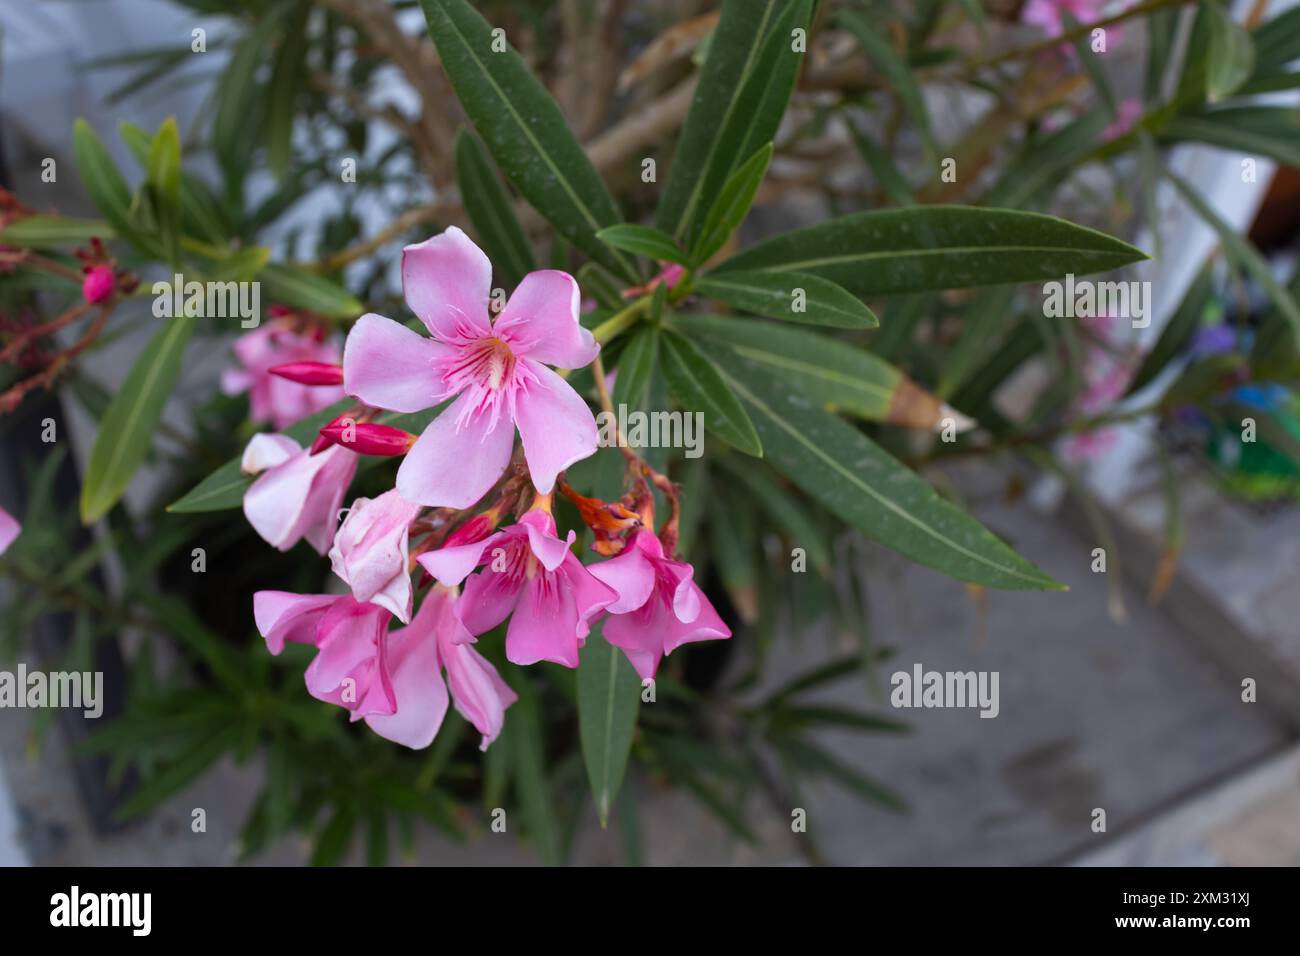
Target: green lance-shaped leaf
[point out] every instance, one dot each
(53, 232)
(841, 468)
(731, 206)
(1272, 131)
(1231, 57)
(888, 176)
(1177, 333)
(700, 388)
(489, 208)
(829, 373)
(524, 129)
(282, 94)
(643, 241)
(895, 69)
(288, 285)
(523, 735)
(744, 88)
(636, 367)
(896, 251)
(107, 189)
(128, 426)
(793, 296)
(163, 179)
(609, 696)
(241, 102)
(201, 214)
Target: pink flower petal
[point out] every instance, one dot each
(556, 425)
(541, 321)
(480, 695)
(544, 626)
(418, 688)
(390, 366)
(488, 599)
(452, 565)
(370, 551)
(349, 635)
(284, 616)
(266, 451)
(546, 547)
(447, 281)
(706, 625)
(9, 530)
(453, 467)
(631, 575)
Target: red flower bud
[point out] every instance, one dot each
(310, 373)
(98, 284)
(367, 438)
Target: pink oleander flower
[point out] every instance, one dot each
(1108, 368)
(1127, 113)
(391, 679)
(272, 398)
(1049, 15)
(98, 284)
(370, 552)
(9, 530)
(533, 574)
(669, 273)
(497, 371)
(659, 606)
(296, 495)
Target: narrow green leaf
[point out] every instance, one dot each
(53, 232)
(894, 251)
(840, 467)
(827, 372)
(177, 774)
(793, 296)
(896, 71)
(636, 367)
(286, 83)
(163, 179)
(731, 206)
(107, 189)
(743, 91)
(1231, 53)
(784, 509)
(284, 284)
(127, 429)
(609, 697)
(1178, 331)
(643, 241)
(201, 213)
(333, 841)
(524, 130)
(700, 388)
(888, 176)
(1272, 131)
(241, 103)
(490, 210)
(814, 760)
(523, 734)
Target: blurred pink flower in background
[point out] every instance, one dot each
(9, 530)
(1128, 112)
(1108, 367)
(272, 399)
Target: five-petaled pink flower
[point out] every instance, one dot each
(659, 606)
(9, 530)
(532, 573)
(273, 399)
(296, 495)
(370, 548)
(391, 679)
(497, 371)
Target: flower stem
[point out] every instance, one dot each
(620, 322)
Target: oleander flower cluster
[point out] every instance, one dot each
(467, 539)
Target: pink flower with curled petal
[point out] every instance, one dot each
(296, 495)
(370, 551)
(272, 398)
(497, 372)
(9, 530)
(659, 606)
(533, 574)
(391, 679)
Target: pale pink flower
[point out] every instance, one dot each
(1049, 15)
(497, 371)
(533, 574)
(1108, 367)
(370, 551)
(273, 399)
(296, 495)
(9, 530)
(659, 606)
(392, 680)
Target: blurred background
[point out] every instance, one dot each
(1129, 693)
